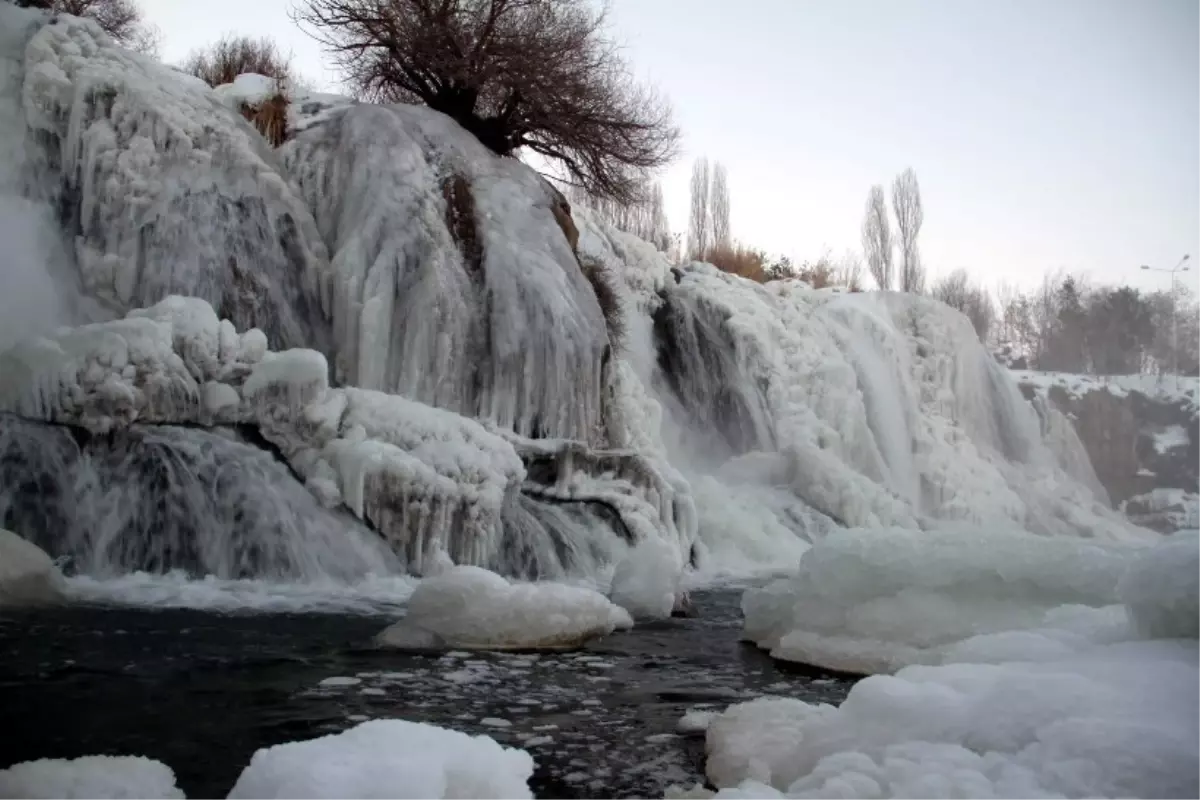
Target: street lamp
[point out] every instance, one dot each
(1180, 267)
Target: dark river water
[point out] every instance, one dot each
(202, 691)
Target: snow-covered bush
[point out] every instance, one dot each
(124, 777)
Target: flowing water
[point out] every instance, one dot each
(201, 691)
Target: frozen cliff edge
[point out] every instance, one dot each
(159, 188)
(428, 480)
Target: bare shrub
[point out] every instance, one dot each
(231, 56)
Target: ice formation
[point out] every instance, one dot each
(388, 758)
(164, 190)
(1074, 704)
(116, 777)
(426, 479)
(476, 303)
(468, 607)
(27, 575)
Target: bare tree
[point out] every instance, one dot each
(718, 207)
(906, 202)
(699, 230)
(877, 238)
(231, 56)
(536, 74)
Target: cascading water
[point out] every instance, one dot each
(165, 498)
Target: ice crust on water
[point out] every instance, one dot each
(1064, 698)
(131, 777)
(469, 607)
(388, 758)
(164, 190)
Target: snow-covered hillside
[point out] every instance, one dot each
(452, 383)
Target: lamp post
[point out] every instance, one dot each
(1180, 267)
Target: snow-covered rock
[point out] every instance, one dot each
(877, 600)
(163, 189)
(468, 607)
(1114, 721)
(27, 575)
(388, 758)
(1076, 704)
(646, 582)
(117, 777)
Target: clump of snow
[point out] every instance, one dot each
(646, 581)
(27, 575)
(696, 721)
(877, 600)
(1161, 588)
(131, 777)
(1169, 438)
(469, 607)
(1111, 721)
(388, 758)
(169, 190)
(250, 89)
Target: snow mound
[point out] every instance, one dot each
(27, 575)
(1161, 589)
(477, 304)
(647, 581)
(130, 777)
(876, 600)
(167, 190)
(385, 759)
(471, 608)
(1115, 720)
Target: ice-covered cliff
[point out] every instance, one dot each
(380, 345)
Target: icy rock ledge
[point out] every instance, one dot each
(429, 480)
(27, 575)
(471, 608)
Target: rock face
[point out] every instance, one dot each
(1141, 434)
(27, 575)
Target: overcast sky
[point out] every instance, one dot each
(1045, 135)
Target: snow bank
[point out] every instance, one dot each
(468, 607)
(1113, 721)
(388, 758)
(477, 303)
(166, 190)
(90, 777)
(876, 600)
(27, 575)
(1175, 508)
(1073, 705)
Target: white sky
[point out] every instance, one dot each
(1045, 135)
